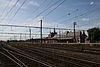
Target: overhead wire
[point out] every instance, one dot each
(78, 15)
(34, 27)
(54, 9)
(89, 19)
(90, 11)
(46, 9)
(71, 13)
(40, 6)
(88, 23)
(18, 10)
(3, 12)
(10, 10)
(68, 14)
(1, 6)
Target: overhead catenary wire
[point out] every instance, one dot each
(88, 23)
(54, 9)
(20, 33)
(40, 6)
(37, 27)
(34, 27)
(10, 10)
(68, 14)
(78, 10)
(86, 13)
(3, 12)
(18, 10)
(72, 12)
(46, 9)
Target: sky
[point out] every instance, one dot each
(54, 13)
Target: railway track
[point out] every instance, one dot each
(42, 57)
(90, 50)
(12, 58)
(21, 59)
(59, 57)
(59, 62)
(6, 62)
(47, 57)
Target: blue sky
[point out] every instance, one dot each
(85, 12)
(26, 14)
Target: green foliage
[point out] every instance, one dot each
(94, 34)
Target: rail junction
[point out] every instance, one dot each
(46, 56)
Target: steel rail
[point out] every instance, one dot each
(82, 49)
(32, 59)
(77, 59)
(82, 60)
(23, 65)
(42, 53)
(22, 53)
(70, 62)
(10, 59)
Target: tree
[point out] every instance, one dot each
(94, 34)
(83, 36)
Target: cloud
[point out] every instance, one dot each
(7, 3)
(91, 3)
(4, 22)
(85, 27)
(30, 2)
(36, 22)
(87, 3)
(85, 19)
(98, 24)
(33, 3)
(4, 4)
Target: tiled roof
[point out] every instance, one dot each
(67, 35)
(72, 34)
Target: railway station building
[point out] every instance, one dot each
(66, 37)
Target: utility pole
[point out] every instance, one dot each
(59, 33)
(41, 31)
(20, 36)
(30, 33)
(15, 37)
(25, 36)
(74, 32)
